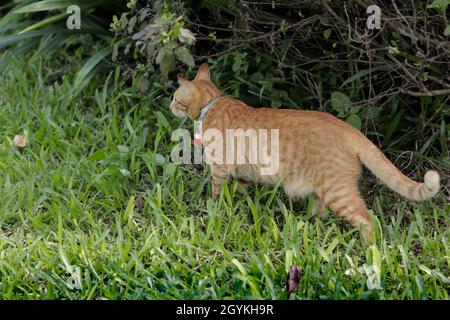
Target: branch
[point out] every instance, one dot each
(428, 93)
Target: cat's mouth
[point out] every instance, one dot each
(177, 112)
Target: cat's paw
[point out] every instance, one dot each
(368, 234)
(319, 208)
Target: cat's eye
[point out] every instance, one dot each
(181, 104)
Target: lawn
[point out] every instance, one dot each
(92, 208)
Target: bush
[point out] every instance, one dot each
(153, 34)
(391, 83)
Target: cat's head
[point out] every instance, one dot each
(193, 95)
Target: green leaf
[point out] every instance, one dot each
(44, 22)
(170, 169)
(98, 155)
(427, 144)
(257, 76)
(440, 4)
(355, 121)
(239, 266)
(129, 211)
(447, 31)
(161, 53)
(371, 112)
(443, 138)
(332, 246)
(80, 80)
(354, 110)
(376, 256)
(162, 121)
(340, 102)
(123, 149)
(125, 172)
(324, 255)
(86, 73)
(183, 55)
(159, 159)
(327, 33)
(9, 40)
(237, 64)
(6, 19)
(288, 260)
(47, 5)
(361, 73)
(167, 63)
(393, 125)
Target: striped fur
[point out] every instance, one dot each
(318, 152)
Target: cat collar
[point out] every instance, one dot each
(198, 123)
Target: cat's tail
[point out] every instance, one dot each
(384, 170)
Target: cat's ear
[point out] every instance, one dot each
(203, 73)
(183, 81)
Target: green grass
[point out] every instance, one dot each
(92, 209)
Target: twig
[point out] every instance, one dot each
(433, 93)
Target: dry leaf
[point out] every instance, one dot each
(139, 202)
(186, 36)
(20, 141)
(293, 278)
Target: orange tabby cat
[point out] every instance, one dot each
(317, 152)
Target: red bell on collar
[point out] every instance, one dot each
(197, 138)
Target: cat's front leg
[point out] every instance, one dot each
(319, 207)
(243, 185)
(218, 175)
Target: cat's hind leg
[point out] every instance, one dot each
(344, 200)
(319, 207)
